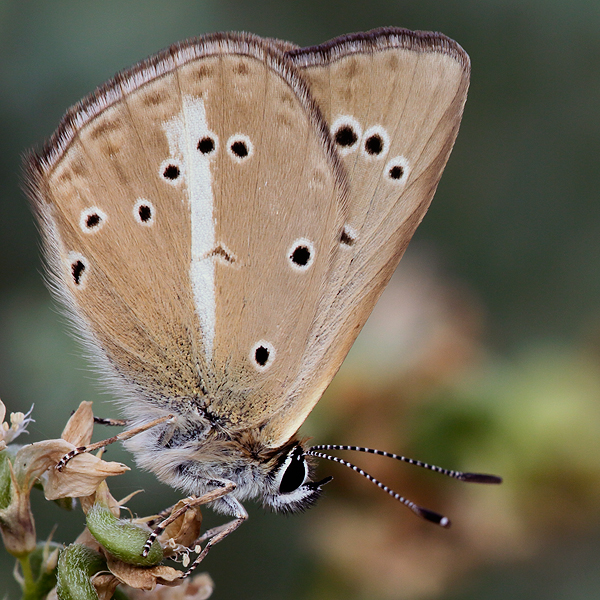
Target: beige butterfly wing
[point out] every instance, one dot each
(190, 211)
(394, 100)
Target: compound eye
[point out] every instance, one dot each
(295, 472)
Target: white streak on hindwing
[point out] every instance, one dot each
(183, 133)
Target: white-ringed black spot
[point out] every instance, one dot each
(92, 219)
(207, 145)
(78, 268)
(376, 142)
(348, 236)
(345, 136)
(171, 171)
(346, 132)
(396, 170)
(262, 355)
(143, 211)
(240, 147)
(301, 254)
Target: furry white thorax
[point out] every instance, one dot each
(186, 456)
(192, 467)
(183, 133)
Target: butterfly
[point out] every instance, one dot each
(220, 220)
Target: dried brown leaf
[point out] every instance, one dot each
(143, 578)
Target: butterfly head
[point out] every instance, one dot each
(289, 487)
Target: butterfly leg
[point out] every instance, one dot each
(124, 435)
(219, 533)
(210, 533)
(162, 515)
(190, 502)
(111, 422)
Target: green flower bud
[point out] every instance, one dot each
(121, 538)
(76, 565)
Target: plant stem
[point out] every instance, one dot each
(29, 586)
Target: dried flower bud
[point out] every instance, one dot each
(16, 519)
(185, 530)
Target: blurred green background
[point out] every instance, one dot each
(483, 354)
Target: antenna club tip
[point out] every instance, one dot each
(430, 515)
(480, 478)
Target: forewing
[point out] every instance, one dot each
(171, 201)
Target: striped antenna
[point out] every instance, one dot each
(424, 513)
(468, 477)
